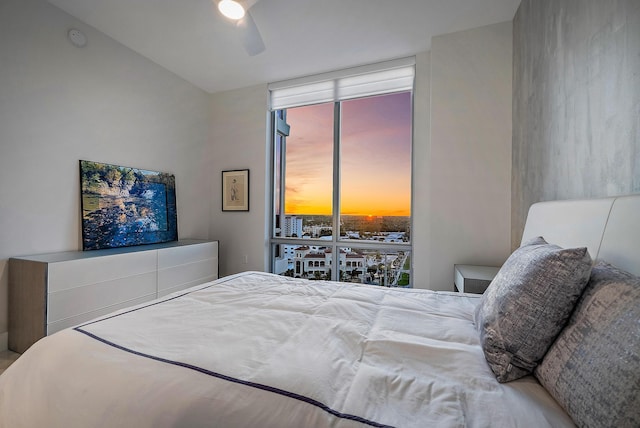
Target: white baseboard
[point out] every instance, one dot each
(4, 341)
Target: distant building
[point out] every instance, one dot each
(318, 262)
(292, 226)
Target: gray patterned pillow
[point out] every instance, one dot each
(527, 304)
(593, 368)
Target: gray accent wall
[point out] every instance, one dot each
(576, 102)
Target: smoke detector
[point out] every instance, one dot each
(77, 37)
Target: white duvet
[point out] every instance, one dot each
(260, 350)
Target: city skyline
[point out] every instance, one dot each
(375, 157)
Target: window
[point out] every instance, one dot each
(342, 177)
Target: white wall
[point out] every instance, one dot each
(59, 103)
(239, 122)
(462, 160)
(103, 102)
(421, 153)
(470, 175)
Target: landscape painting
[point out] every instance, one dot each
(124, 206)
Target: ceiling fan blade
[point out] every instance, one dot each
(251, 38)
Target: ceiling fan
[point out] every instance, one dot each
(240, 12)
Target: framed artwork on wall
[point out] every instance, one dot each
(235, 190)
(124, 206)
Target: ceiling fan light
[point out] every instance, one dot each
(231, 9)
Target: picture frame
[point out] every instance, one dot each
(235, 190)
(123, 206)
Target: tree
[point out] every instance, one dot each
(328, 274)
(113, 177)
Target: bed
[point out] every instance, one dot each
(256, 349)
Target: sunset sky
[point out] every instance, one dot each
(375, 157)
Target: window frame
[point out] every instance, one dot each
(278, 125)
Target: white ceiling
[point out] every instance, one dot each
(191, 38)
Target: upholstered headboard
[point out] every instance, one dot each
(608, 227)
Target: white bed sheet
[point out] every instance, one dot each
(256, 349)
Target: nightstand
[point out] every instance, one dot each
(472, 278)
